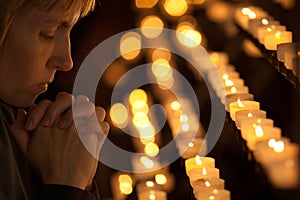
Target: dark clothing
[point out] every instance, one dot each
(17, 179)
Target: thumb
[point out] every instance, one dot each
(19, 132)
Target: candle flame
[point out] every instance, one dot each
(175, 105)
(233, 90)
(184, 118)
(265, 21)
(152, 196)
(269, 29)
(252, 15)
(191, 144)
(298, 53)
(160, 179)
(225, 76)
(259, 131)
(211, 197)
(272, 143)
(240, 103)
(207, 184)
(198, 160)
(250, 115)
(229, 82)
(279, 147)
(277, 35)
(204, 171)
(246, 11)
(150, 184)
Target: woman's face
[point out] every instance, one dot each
(37, 45)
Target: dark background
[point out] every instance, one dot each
(276, 94)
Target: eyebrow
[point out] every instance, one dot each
(62, 23)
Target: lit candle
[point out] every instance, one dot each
(152, 195)
(265, 147)
(284, 174)
(263, 30)
(207, 184)
(261, 133)
(234, 97)
(289, 56)
(194, 147)
(281, 48)
(216, 194)
(248, 127)
(256, 23)
(242, 105)
(236, 90)
(201, 173)
(272, 39)
(219, 58)
(198, 162)
(243, 115)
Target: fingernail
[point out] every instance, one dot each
(62, 124)
(46, 121)
(29, 124)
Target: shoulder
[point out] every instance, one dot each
(7, 114)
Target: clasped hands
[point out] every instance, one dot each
(62, 139)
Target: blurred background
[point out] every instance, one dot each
(276, 89)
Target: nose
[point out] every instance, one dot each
(61, 56)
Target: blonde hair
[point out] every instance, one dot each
(9, 8)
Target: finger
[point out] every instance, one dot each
(92, 126)
(101, 113)
(62, 103)
(18, 131)
(83, 110)
(36, 114)
(82, 99)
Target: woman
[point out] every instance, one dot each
(42, 156)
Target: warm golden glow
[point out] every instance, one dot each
(140, 106)
(198, 2)
(207, 184)
(204, 171)
(188, 36)
(265, 21)
(228, 83)
(124, 178)
(141, 120)
(198, 160)
(259, 131)
(150, 184)
(246, 11)
(211, 197)
(278, 35)
(252, 15)
(147, 132)
(151, 26)
(148, 164)
(279, 147)
(175, 8)
(184, 118)
(125, 188)
(137, 94)
(160, 179)
(130, 45)
(151, 149)
(225, 76)
(240, 104)
(233, 90)
(272, 143)
(161, 53)
(119, 115)
(250, 115)
(191, 144)
(185, 127)
(175, 105)
(161, 69)
(145, 3)
(152, 196)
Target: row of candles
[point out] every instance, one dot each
(276, 153)
(270, 33)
